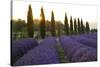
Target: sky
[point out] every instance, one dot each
(86, 12)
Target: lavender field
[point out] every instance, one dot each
(52, 33)
(52, 50)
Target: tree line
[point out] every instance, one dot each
(73, 27)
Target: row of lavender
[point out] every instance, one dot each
(78, 48)
(44, 53)
(89, 40)
(21, 47)
(78, 52)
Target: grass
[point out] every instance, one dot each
(60, 50)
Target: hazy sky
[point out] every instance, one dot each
(86, 12)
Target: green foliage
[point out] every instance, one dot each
(75, 26)
(79, 26)
(18, 28)
(48, 25)
(82, 27)
(43, 28)
(71, 25)
(93, 30)
(13, 25)
(59, 28)
(61, 54)
(87, 27)
(42, 24)
(53, 31)
(30, 23)
(66, 26)
(18, 25)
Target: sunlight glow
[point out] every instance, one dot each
(87, 13)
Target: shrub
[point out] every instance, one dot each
(45, 53)
(21, 47)
(71, 48)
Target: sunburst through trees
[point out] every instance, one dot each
(50, 40)
(70, 26)
(41, 28)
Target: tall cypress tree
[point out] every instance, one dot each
(82, 26)
(87, 27)
(79, 26)
(42, 24)
(30, 23)
(53, 31)
(71, 25)
(75, 26)
(66, 26)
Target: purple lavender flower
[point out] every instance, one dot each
(85, 54)
(86, 41)
(20, 47)
(70, 45)
(91, 35)
(71, 48)
(45, 53)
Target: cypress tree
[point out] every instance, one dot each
(66, 26)
(82, 27)
(79, 26)
(42, 24)
(71, 25)
(30, 23)
(53, 31)
(75, 26)
(87, 27)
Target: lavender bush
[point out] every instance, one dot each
(71, 48)
(21, 47)
(45, 53)
(86, 41)
(85, 54)
(91, 35)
